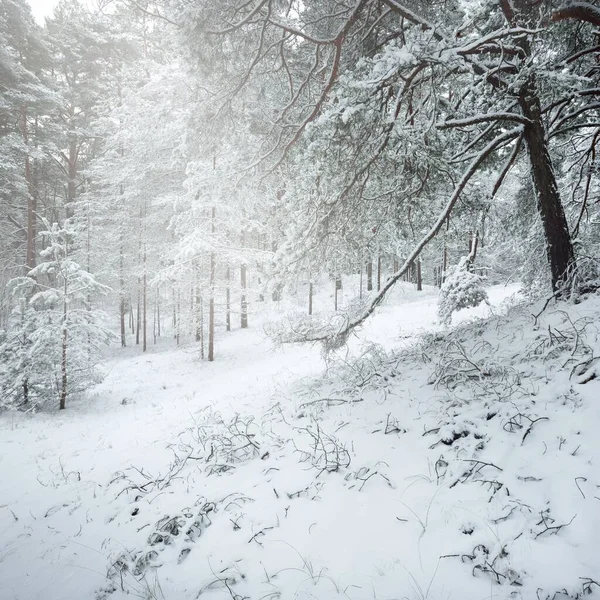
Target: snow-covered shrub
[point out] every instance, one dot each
(462, 289)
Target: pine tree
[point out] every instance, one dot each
(55, 337)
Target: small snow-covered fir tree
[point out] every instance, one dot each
(52, 346)
(462, 289)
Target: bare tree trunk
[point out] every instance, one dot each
(178, 317)
(198, 303)
(211, 302)
(154, 320)
(379, 272)
(310, 297)
(360, 288)
(419, 276)
(444, 262)
(174, 315)
(144, 307)
(228, 300)
(158, 310)
(473, 246)
(131, 317)
(138, 318)
(122, 293)
(63, 362)
(369, 275)
(31, 196)
(244, 303)
(559, 247)
(71, 180)
(201, 316)
(338, 287)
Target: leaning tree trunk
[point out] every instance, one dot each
(559, 247)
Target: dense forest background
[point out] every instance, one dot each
(168, 166)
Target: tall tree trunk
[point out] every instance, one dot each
(144, 309)
(174, 315)
(419, 276)
(378, 272)
(197, 302)
(154, 320)
(369, 275)
(138, 319)
(228, 299)
(360, 284)
(310, 297)
(201, 316)
(131, 316)
(178, 316)
(71, 179)
(559, 247)
(243, 279)
(158, 310)
(338, 288)
(63, 361)
(211, 301)
(31, 196)
(143, 238)
(122, 303)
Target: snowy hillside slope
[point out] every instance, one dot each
(462, 464)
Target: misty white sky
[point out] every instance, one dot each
(42, 8)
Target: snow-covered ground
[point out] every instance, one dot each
(421, 473)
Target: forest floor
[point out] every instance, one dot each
(434, 463)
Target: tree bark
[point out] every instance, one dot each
(122, 294)
(211, 302)
(228, 299)
(244, 303)
(63, 362)
(31, 196)
(559, 247)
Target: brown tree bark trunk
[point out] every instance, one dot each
(71, 181)
(211, 302)
(138, 317)
(228, 300)
(144, 310)
(559, 247)
(178, 317)
(31, 197)
(122, 294)
(244, 303)
(63, 362)
(158, 310)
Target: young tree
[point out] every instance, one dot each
(55, 340)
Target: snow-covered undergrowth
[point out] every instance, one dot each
(463, 465)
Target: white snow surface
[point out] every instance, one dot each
(405, 467)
